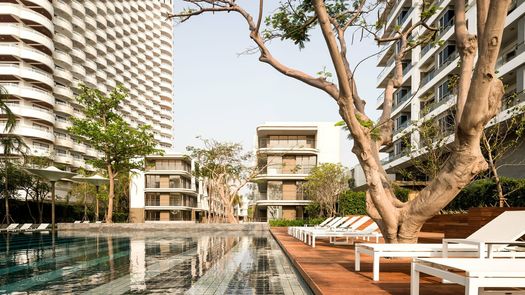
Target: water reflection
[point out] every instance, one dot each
(140, 263)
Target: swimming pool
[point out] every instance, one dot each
(145, 263)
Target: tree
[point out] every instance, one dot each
(478, 99)
(499, 139)
(123, 146)
(224, 166)
(11, 144)
(325, 184)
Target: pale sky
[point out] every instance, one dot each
(223, 96)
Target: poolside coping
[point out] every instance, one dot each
(179, 227)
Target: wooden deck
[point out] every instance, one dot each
(329, 269)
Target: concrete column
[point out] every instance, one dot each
(520, 79)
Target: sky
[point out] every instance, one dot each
(222, 95)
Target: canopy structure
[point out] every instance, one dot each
(52, 174)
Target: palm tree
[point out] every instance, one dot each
(11, 144)
(4, 109)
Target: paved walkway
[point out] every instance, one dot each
(330, 270)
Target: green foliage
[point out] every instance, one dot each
(313, 209)
(4, 108)
(352, 203)
(219, 158)
(325, 184)
(482, 193)
(105, 130)
(296, 222)
(294, 19)
(401, 193)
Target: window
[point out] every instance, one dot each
(152, 215)
(61, 152)
(152, 199)
(180, 215)
(176, 181)
(446, 20)
(176, 200)
(443, 91)
(152, 181)
(446, 54)
(401, 95)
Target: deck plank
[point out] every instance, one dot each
(329, 269)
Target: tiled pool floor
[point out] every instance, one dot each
(148, 263)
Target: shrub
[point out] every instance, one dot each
(313, 210)
(401, 193)
(352, 203)
(296, 222)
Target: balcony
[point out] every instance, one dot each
(63, 107)
(282, 169)
(402, 127)
(399, 101)
(64, 142)
(288, 142)
(26, 73)
(432, 106)
(32, 132)
(29, 92)
(28, 33)
(63, 75)
(25, 52)
(430, 76)
(63, 42)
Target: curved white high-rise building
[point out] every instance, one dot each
(48, 47)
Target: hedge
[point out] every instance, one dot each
(296, 222)
(483, 193)
(352, 203)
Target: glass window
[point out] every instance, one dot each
(152, 199)
(152, 181)
(443, 90)
(152, 215)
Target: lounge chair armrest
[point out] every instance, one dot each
(483, 246)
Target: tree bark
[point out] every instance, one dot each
(495, 175)
(111, 193)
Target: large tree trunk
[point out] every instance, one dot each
(111, 193)
(481, 94)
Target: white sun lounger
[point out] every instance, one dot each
(341, 224)
(41, 227)
(10, 227)
(351, 232)
(299, 234)
(501, 231)
(474, 273)
(23, 228)
(292, 229)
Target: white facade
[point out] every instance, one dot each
(286, 153)
(49, 47)
(425, 93)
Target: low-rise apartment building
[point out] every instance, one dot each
(166, 191)
(286, 153)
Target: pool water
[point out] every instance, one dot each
(145, 263)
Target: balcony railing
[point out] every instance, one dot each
(401, 100)
(286, 143)
(281, 169)
(440, 68)
(437, 104)
(510, 54)
(402, 126)
(512, 99)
